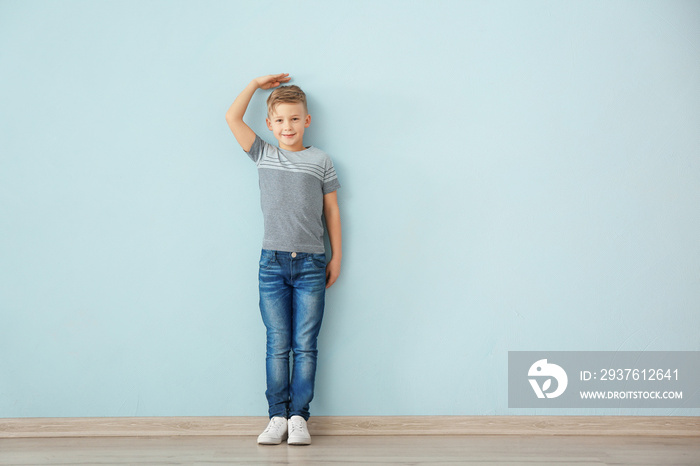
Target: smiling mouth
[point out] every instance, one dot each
(288, 135)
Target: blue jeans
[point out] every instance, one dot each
(292, 298)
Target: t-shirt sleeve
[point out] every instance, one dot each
(330, 179)
(256, 150)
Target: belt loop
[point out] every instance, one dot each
(274, 256)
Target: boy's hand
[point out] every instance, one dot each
(272, 80)
(332, 272)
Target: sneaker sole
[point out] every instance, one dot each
(299, 442)
(271, 442)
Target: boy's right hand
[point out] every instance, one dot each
(272, 80)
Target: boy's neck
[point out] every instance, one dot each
(295, 148)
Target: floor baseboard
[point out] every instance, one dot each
(658, 426)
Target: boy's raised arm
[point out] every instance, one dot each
(234, 116)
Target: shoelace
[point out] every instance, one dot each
(272, 426)
(296, 426)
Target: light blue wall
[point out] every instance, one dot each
(516, 176)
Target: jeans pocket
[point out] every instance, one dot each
(319, 260)
(266, 259)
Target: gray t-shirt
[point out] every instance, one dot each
(292, 185)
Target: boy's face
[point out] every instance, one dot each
(287, 122)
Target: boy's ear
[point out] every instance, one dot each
(307, 121)
(269, 124)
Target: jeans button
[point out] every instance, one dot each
(294, 254)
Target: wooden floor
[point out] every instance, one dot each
(492, 450)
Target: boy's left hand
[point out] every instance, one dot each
(332, 272)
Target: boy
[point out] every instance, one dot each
(297, 185)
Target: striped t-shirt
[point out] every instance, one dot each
(292, 185)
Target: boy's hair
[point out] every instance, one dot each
(286, 95)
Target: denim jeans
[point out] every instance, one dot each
(292, 298)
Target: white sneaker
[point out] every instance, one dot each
(275, 432)
(298, 432)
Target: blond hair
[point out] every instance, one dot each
(286, 95)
